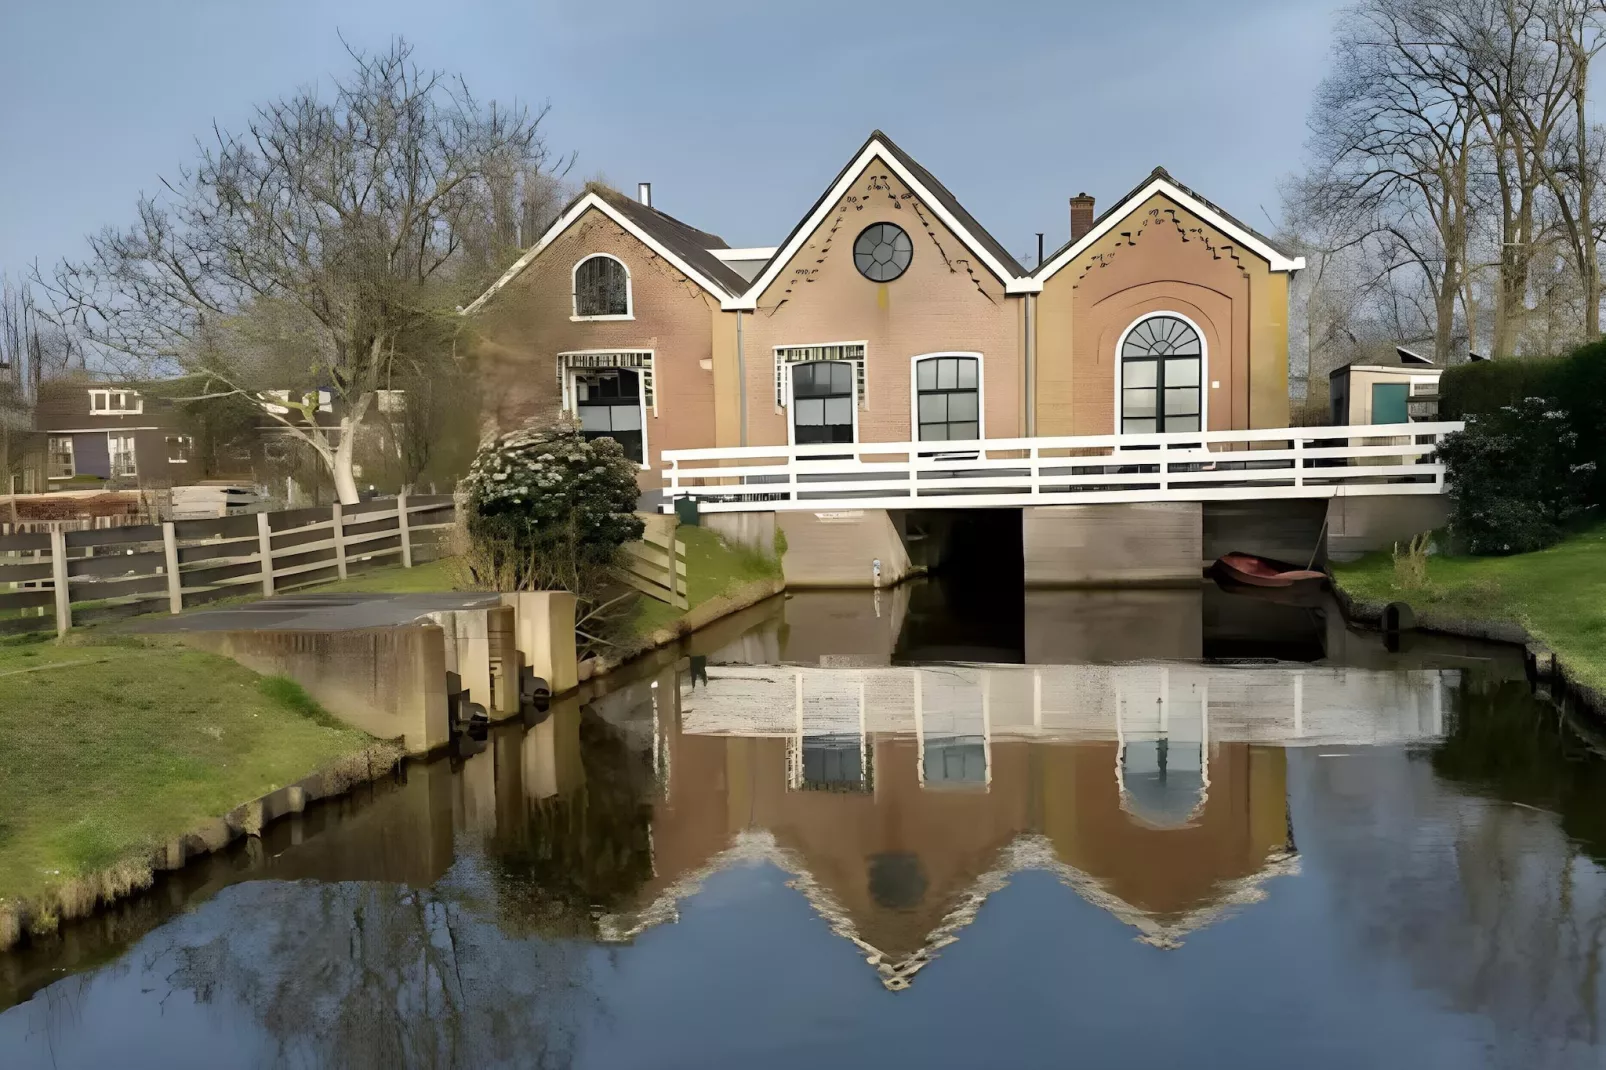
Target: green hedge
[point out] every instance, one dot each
(1575, 383)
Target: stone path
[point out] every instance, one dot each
(316, 613)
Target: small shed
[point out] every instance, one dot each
(1404, 389)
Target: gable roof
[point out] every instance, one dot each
(681, 244)
(1160, 181)
(925, 186)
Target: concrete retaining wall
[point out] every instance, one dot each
(1356, 525)
(840, 548)
(1089, 545)
(1283, 529)
(544, 634)
(389, 682)
(754, 531)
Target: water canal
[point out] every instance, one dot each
(924, 827)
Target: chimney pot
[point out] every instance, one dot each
(644, 193)
(1081, 215)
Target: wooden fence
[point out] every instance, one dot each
(79, 576)
(656, 566)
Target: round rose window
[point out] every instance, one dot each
(882, 252)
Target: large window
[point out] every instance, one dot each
(609, 404)
(822, 402)
(115, 403)
(180, 448)
(121, 447)
(948, 398)
(59, 462)
(601, 288)
(1162, 369)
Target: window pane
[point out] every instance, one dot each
(582, 388)
(947, 374)
(1182, 423)
(962, 406)
(810, 413)
(1182, 402)
(839, 411)
(1137, 427)
(1138, 403)
(841, 378)
(933, 407)
(926, 375)
(1182, 373)
(963, 431)
(1138, 373)
(594, 418)
(967, 373)
(933, 432)
(626, 417)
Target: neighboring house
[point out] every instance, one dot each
(111, 432)
(1395, 390)
(888, 314)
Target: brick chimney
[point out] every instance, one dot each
(1081, 215)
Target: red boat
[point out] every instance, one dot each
(1253, 571)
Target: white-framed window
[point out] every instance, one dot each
(821, 398)
(851, 352)
(612, 394)
(115, 403)
(59, 458)
(120, 447)
(1160, 386)
(391, 402)
(947, 397)
(602, 289)
(180, 449)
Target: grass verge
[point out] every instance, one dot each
(1558, 595)
(114, 745)
(713, 568)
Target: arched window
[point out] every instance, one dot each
(601, 288)
(947, 398)
(1162, 372)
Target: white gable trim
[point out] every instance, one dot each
(567, 220)
(740, 255)
(1277, 260)
(874, 150)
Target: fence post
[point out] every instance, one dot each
(1299, 461)
(401, 528)
(265, 551)
(175, 586)
(58, 579)
(339, 529)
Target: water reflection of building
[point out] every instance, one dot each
(900, 799)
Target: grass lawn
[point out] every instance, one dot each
(713, 568)
(1558, 594)
(431, 578)
(109, 748)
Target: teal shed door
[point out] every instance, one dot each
(1388, 403)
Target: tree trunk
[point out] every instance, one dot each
(340, 465)
(1588, 262)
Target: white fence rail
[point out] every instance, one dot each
(1284, 462)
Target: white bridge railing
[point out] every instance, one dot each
(1281, 462)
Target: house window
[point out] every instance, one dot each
(601, 288)
(115, 403)
(822, 402)
(609, 405)
(882, 252)
(948, 398)
(954, 760)
(835, 762)
(59, 463)
(391, 402)
(852, 352)
(121, 448)
(180, 448)
(1162, 366)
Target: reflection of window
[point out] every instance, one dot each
(121, 447)
(835, 762)
(948, 398)
(59, 460)
(956, 760)
(115, 403)
(601, 287)
(180, 448)
(609, 406)
(1161, 367)
(276, 448)
(822, 402)
(391, 402)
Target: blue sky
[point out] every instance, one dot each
(739, 113)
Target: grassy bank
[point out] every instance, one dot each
(109, 749)
(713, 568)
(1559, 594)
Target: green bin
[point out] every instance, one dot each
(686, 512)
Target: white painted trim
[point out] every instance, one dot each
(875, 150)
(94, 430)
(1277, 260)
(1204, 368)
(568, 219)
(914, 390)
(571, 403)
(104, 407)
(574, 291)
(739, 255)
(776, 366)
(791, 410)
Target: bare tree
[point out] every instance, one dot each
(315, 251)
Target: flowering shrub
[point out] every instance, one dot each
(549, 510)
(1515, 478)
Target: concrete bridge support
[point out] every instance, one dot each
(1156, 543)
(841, 548)
(1361, 523)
